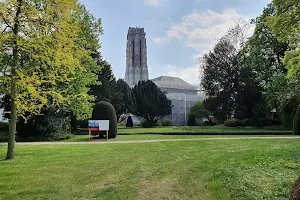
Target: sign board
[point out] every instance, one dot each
(98, 125)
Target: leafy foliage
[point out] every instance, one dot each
(296, 123)
(191, 120)
(129, 122)
(151, 103)
(285, 25)
(45, 58)
(104, 90)
(199, 111)
(46, 125)
(233, 123)
(167, 123)
(105, 111)
(263, 52)
(123, 100)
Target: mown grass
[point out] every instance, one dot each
(204, 129)
(85, 138)
(221, 169)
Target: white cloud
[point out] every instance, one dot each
(200, 30)
(189, 74)
(161, 40)
(154, 3)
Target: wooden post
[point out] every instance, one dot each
(107, 134)
(89, 135)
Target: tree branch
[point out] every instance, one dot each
(7, 24)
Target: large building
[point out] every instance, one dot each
(182, 94)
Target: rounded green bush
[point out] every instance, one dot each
(105, 111)
(191, 120)
(296, 123)
(129, 122)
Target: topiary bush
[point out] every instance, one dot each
(233, 123)
(105, 111)
(149, 124)
(191, 120)
(296, 123)
(167, 123)
(129, 122)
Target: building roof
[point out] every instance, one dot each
(173, 82)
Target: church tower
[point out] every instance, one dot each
(136, 57)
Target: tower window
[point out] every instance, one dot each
(132, 52)
(140, 52)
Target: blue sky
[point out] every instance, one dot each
(177, 31)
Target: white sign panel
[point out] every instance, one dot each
(103, 125)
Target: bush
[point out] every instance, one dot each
(4, 126)
(296, 123)
(149, 124)
(105, 111)
(191, 120)
(129, 122)
(43, 126)
(167, 123)
(233, 123)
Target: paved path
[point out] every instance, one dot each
(160, 140)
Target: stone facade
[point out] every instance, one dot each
(136, 57)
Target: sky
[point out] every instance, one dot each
(178, 32)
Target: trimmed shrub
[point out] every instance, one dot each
(149, 124)
(4, 126)
(129, 122)
(167, 123)
(191, 120)
(105, 111)
(296, 123)
(233, 123)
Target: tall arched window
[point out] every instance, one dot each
(140, 52)
(132, 51)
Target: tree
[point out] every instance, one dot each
(43, 59)
(263, 52)
(123, 100)
(151, 103)
(285, 25)
(221, 77)
(249, 100)
(199, 111)
(104, 91)
(296, 123)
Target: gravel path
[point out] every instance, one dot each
(160, 140)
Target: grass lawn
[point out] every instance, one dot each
(221, 169)
(85, 138)
(208, 129)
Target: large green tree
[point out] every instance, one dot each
(263, 52)
(285, 25)
(123, 100)
(43, 59)
(104, 90)
(221, 77)
(151, 103)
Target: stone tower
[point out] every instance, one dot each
(136, 56)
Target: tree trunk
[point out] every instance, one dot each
(13, 117)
